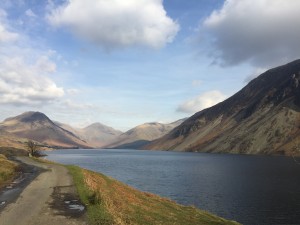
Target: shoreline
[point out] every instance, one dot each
(123, 203)
(119, 202)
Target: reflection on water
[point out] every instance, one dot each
(253, 190)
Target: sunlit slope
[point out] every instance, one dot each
(262, 118)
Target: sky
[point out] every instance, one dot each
(127, 62)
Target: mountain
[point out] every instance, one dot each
(143, 134)
(37, 126)
(99, 135)
(96, 135)
(69, 128)
(262, 118)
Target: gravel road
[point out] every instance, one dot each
(50, 199)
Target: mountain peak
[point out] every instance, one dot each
(29, 117)
(95, 125)
(101, 127)
(33, 116)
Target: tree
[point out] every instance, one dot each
(32, 148)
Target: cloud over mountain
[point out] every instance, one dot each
(262, 32)
(117, 23)
(203, 101)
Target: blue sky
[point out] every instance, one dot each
(124, 63)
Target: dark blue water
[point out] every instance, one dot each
(253, 190)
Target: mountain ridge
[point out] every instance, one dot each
(142, 134)
(274, 95)
(38, 127)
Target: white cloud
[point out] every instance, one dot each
(201, 102)
(24, 71)
(43, 64)
(263, 32)
(117, 23)
(30, 13)
(22, 83)
(5, 34)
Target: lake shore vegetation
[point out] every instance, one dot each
(110, 202)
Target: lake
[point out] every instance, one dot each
(253, 190)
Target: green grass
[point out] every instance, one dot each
(97, 213)
(7, 170)
(112, 202)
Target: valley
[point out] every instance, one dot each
(262, 118)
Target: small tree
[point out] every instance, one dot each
(32, 148)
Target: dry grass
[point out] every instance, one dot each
(7, 170)
(124, 205)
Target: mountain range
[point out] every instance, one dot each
(141, 135)
(262, 118)
(96, 134)
(15, 131)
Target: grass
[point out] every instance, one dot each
(112, 202)
(7, 170)
(96, 209)
(10, 151)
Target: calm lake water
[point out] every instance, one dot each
(253, 190)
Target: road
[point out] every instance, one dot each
(50, 199)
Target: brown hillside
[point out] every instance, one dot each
(262, 118)
(37, 126)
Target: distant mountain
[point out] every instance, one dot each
(37, 126)
(96, 135)
(262, 118)
(143, 134)
(99, 135)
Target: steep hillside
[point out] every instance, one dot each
(262, 118)
(37, 126)
(69, 128)
(143, 134)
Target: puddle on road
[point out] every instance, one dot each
(21, 178)
(73, 205)
(66, 202)
(11, 192)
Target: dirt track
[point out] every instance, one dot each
(50, 199)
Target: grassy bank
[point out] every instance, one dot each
(112, 202)
(7, 170)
